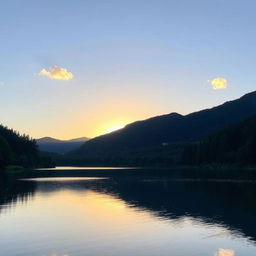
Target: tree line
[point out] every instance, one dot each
(235, 145)
(17, 149)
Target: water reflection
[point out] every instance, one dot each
(127, 214)
(13, 192)
(225, 252)
(55, 254)
(63, 179)
(61, 168)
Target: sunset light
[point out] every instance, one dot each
(127, 128)
(115, 128)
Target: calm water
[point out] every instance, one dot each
(126, 212)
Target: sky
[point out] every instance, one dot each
(83, 68)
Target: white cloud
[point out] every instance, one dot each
(57, 73)
(225, 252)
(219, 83)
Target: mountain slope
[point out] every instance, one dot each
(170, 128)
(233, 145)
(49, 144)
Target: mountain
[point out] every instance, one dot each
(49, 144)
(81, 139)
(233, 145)
(47, 140)
(170, 128)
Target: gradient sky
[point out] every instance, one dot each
(130, 60)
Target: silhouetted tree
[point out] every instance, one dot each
(17, 149)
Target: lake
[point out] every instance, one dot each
(123, 212)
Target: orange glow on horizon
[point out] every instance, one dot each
(102, 117)
(115, 128)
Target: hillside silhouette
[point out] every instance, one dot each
(161, 131)
(17, 149)
(234, 144)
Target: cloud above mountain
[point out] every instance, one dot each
(57, 73)
(219, 83)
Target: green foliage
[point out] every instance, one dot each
(5, 152)
(17, 149)
(234, 145)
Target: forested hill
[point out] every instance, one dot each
(233, 145)
(170, 128)
(17, 149)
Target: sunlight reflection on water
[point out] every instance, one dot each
(225, 252)
(61, 168)
(63, 179)
(124, 215)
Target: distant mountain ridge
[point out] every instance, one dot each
(170, 128)
(48, 140)
(53, 140)
(53, 145)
